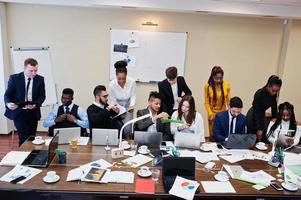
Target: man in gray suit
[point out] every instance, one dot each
(153, 123)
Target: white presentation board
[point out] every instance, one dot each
(148, 53)
(42, 55)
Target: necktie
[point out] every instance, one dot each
(231, 126)
(67, 110)
(27, 87)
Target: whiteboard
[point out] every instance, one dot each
(42, 55)
(148, 53)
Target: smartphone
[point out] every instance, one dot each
(219, 146)
(276, 186)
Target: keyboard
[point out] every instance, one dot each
(36, 157)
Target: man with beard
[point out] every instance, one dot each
(102, 112)
(67, 115)
(153, 123)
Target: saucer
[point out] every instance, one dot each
(289, 186)
(143, 152)
(221, 178)
(261, 147)
(147, 174)
(126, 146)
(38, 142)
(46, 179)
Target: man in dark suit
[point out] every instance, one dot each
(230, 121)
(102, 113)
(153, 123)
(171, 90)
(23, 98)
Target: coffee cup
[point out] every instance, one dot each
(144, 170)
(261, 144)
(51, 175)
(143, 148)
(38, 138)
(125, 143)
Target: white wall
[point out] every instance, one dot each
(247, 48)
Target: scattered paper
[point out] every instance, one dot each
(75, 174)
(102, 164)
(82, 141)
(129, 153)
(118, 177)
(217, 187)
(232, 159)
(259, 177)
(14, 158)
(18, 171)
(202, 157)
(137, 160)
(184, 188)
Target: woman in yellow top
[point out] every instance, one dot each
(217, 95)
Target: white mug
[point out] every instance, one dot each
(51, 175)
(125, 143)
(144, 170)
(38, 138)
(143, 148)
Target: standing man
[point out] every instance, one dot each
(23, 98)
(171, 90)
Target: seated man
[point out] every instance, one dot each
(230, 121)
(102, 111)
(67, 115)
(153, 124)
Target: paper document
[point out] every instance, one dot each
(118, 177)
(75, 174)
(137, 160)
(14, 158)
(122, 110)
(82, 141)
(259, 177)
(184, 188)
(232, 159)
(129, 153)
(18, 171)
(217, 187)
(202, 157)
(102, 164)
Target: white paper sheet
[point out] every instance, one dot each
(137, 160)
(14, 158)
(118, 177)
(18, 171)
(184, 188)
(129, 153)
(82, 141)
(259, 177)
(75, 174)
(202, 157)
(232, 159)
(217, 187)
(103, 164)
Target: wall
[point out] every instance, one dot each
(247, 48)
(290, 90)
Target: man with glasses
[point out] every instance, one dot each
(102, 112)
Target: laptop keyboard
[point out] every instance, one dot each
(37, 158)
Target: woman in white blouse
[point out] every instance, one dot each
(193, 121)
(123, 90)
(285, 127)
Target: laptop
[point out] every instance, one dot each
(187, 140)
(177, 166)
(42, 158)
(105, 137)
(67, 134)
(150, 139)
(240, 141)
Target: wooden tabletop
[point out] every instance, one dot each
(85, 154)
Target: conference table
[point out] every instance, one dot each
(35, 188)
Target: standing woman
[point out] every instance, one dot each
(217, 95)
(264, 98)
(193, 121)
(123, 90)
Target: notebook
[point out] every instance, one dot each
(145, 186)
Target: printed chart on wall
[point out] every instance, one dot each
(148, 54)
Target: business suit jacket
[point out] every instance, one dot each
(165, 91)
(221, 125)
(15, 93)
(143, 125)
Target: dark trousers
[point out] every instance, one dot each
(26, 124)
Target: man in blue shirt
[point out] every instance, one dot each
(230, 121)
(67, 115)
